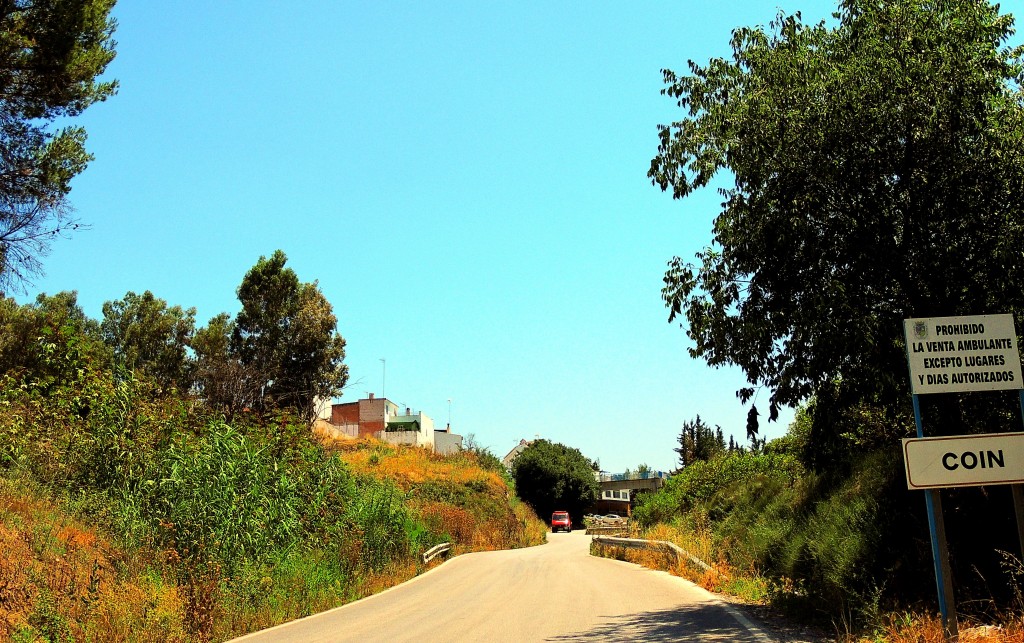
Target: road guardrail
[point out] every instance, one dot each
(436, 551)
(672, 549)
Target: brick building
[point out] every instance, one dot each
(374, 417)
(368, 416)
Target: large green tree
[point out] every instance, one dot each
(876, 167)
(221, 379)
(27, 330)
(698, 441)
(51, 54)
(148, 336)
(286, 336)
(551, 477)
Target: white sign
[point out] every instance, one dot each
(964, 461)
(960, 354)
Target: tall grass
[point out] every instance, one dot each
(779, 532)
(238, 526)
(61, 579)
(698, 482)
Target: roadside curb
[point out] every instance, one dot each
(414, 579)
(759, 632)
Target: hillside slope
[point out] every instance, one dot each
(146, 518)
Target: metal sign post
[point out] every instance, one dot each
(1018, 493)
(940, 550)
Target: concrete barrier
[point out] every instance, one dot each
(672, 549)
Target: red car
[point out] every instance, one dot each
(561, 520)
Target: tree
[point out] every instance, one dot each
(51, 53)
(56, 319)
(286, 337)
(147, 336)
(876, 168)
(314, 367)
(551, 476)
(220, 379)
(698, 441)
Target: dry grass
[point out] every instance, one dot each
(721, 577)
(394, 573)
(444, 518)
(60, 579)
(915, 628)
(698, 543)
(410, 466)
(493, 520)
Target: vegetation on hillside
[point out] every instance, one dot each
(848, 549)
(211, 527)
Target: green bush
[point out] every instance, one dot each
(834, 547)
(753, 518)
(826, 538)
(698, 482)
(380, 516)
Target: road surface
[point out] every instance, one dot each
(554, 592)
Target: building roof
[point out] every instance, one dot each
(403, 425)
(514, 453)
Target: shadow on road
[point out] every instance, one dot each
(706, 622)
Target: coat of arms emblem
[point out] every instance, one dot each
(921, 330)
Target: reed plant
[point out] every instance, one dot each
(220, 527)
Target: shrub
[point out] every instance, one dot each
(696, 483)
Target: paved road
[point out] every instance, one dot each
(555, 592)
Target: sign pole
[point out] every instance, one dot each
(940, 551)
(1018, 493)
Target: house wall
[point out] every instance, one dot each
(335, 431)
(369, 418)
(322, 408)
(620, 507)
(514, 453)
(424, 437)
(410, 438)
(427, 431)
(370, 414)
(447, 443)
(347, 413)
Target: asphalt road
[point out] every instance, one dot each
(554, 592)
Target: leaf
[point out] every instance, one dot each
(752, 424)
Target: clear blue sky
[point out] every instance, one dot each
(466, 181)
